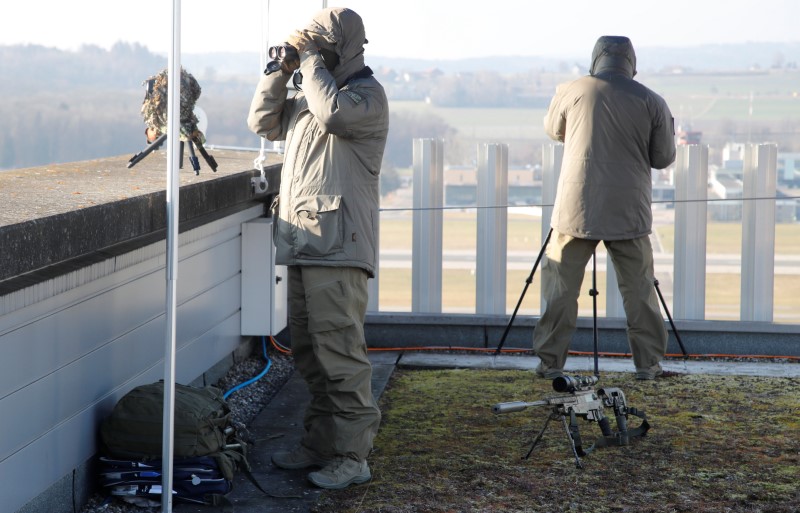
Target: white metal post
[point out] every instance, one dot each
(373, 285)
(614, 306)
(758, 231)
(426, 249)
(492, 226)
(691, 215)
(552, 155)
(173, 193)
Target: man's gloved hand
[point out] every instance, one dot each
(291, 61)
(301, 40)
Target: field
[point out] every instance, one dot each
(735, 107)
(524, 241)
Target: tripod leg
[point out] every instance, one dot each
(671, 323)
(212, 163)
(525, 289)
(539, 436)
(147, 151)
(193, 158)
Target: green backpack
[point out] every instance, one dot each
(202, 427)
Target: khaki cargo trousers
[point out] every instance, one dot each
(563, 268)
(327, 306)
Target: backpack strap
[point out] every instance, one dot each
(239, 459)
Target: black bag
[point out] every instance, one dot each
(194, 480)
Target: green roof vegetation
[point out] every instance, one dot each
(717, 444)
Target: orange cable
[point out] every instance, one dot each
(448, 348)
(581, 353)
(279, 347)
(706, 355)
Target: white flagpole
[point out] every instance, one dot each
(173, 187)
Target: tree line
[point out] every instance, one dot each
(62, 106)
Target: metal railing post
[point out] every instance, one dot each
(373, 285)
(492, 226)
(614, 307)
(758, 232)
(691, 220)
(552, 155)
(426, 248)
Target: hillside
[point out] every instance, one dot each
(63, 106)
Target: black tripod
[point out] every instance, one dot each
(594, 293)
(193, 160)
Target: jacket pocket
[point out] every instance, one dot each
(318, 225)
(329, 307)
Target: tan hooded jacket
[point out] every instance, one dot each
(335, 132)
(614, 130)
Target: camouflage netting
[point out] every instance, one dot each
(154, 107)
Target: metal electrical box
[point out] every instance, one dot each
(264, 287)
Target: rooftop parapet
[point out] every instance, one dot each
(55, 214)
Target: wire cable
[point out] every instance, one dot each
(252, 380)
(577, 353)
(280, 348)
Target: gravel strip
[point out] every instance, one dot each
(245, 403)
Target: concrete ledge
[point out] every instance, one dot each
(77, 209)
(408, 330)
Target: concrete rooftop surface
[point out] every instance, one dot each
(279, 425)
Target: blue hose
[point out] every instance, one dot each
(253, 380)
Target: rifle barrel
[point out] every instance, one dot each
(513, 406)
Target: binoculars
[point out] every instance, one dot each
(280, 54)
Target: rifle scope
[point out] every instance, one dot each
(573, 383)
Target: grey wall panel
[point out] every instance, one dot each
(47, 459)
(42, 344)
(63, 394)
(115, 357)
(68, 358)
(193, 357)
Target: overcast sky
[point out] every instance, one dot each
(442, 29)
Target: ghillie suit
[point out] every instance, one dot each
(154, 112)
(154, 107)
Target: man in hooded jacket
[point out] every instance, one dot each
(326, 222)
(614, 130)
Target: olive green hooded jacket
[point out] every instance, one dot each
(614, 130)
(335, 131)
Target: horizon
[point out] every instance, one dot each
(519, 28)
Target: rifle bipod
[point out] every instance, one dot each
(608, 438)
(579, 399)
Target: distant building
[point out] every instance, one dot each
(726, 184)
(789, 169)
(461, 185)
(687, 136)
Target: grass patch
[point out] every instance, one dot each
(726, 238)
(459, 233)
(718, 444)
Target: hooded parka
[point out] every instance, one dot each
(614, 130)
(335, 131)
